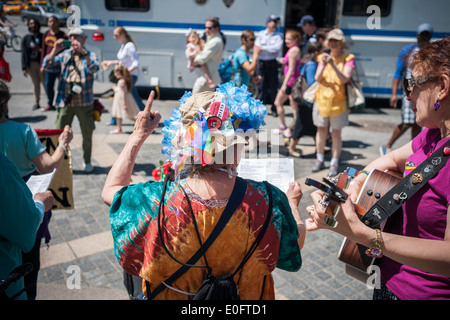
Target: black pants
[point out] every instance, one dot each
(30, 279)
(304, 125)
(268, 86)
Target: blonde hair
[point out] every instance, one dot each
(196, 35)
(123, 71)
(121, 30)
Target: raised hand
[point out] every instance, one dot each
(147, 120)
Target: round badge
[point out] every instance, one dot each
(214, 123)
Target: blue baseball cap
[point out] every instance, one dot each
(424, 27)
(272, 17)
(306, 19)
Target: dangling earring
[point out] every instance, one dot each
(437, 105)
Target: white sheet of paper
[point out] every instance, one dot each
(40, 183)
(277, 171)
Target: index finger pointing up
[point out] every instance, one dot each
(149, 103)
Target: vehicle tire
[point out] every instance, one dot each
(16, 43)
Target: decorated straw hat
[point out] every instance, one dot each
(208, 123)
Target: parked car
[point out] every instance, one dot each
(42, 13)
(34, 3)
(13, 7)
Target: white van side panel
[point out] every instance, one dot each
(160, 33)
(376, 50)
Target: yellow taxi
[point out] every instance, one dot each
(13, 7)
(33, 3)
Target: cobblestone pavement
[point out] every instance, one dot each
(321, 276)
(81, 237)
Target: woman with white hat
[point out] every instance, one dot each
(330, 110)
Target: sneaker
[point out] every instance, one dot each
(49, 108)
(333, 170)
(88, 168)
(318, 166)
(384, 150)
(36, 106)
(116, 131)
(280, 129)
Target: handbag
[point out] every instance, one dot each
(299, 87)
(355, 96)
(310, 94)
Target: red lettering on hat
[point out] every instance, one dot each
(219, 110)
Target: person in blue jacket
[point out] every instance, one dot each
(403, 69)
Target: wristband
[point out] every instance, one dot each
(363, 171)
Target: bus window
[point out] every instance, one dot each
(359, 7)
(127, 5)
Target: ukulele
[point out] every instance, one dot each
(375, 186)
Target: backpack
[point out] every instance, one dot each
(226, 69)
(215, 288)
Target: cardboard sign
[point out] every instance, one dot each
(62, 182)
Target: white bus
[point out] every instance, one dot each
(159, 28)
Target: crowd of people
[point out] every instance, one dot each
(159, 226)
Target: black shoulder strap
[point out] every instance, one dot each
(235, 200)
(406, 188)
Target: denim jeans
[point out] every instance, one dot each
(135, 93)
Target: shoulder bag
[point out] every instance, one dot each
(355, 96)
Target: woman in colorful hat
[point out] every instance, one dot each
(158, 225)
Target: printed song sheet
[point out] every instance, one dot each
(40, 183)
(278, 172)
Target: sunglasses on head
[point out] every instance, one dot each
(409, 83)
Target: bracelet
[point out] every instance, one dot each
(62, 147)
(363, 171)
(377, 250)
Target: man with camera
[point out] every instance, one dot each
(75, 96)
